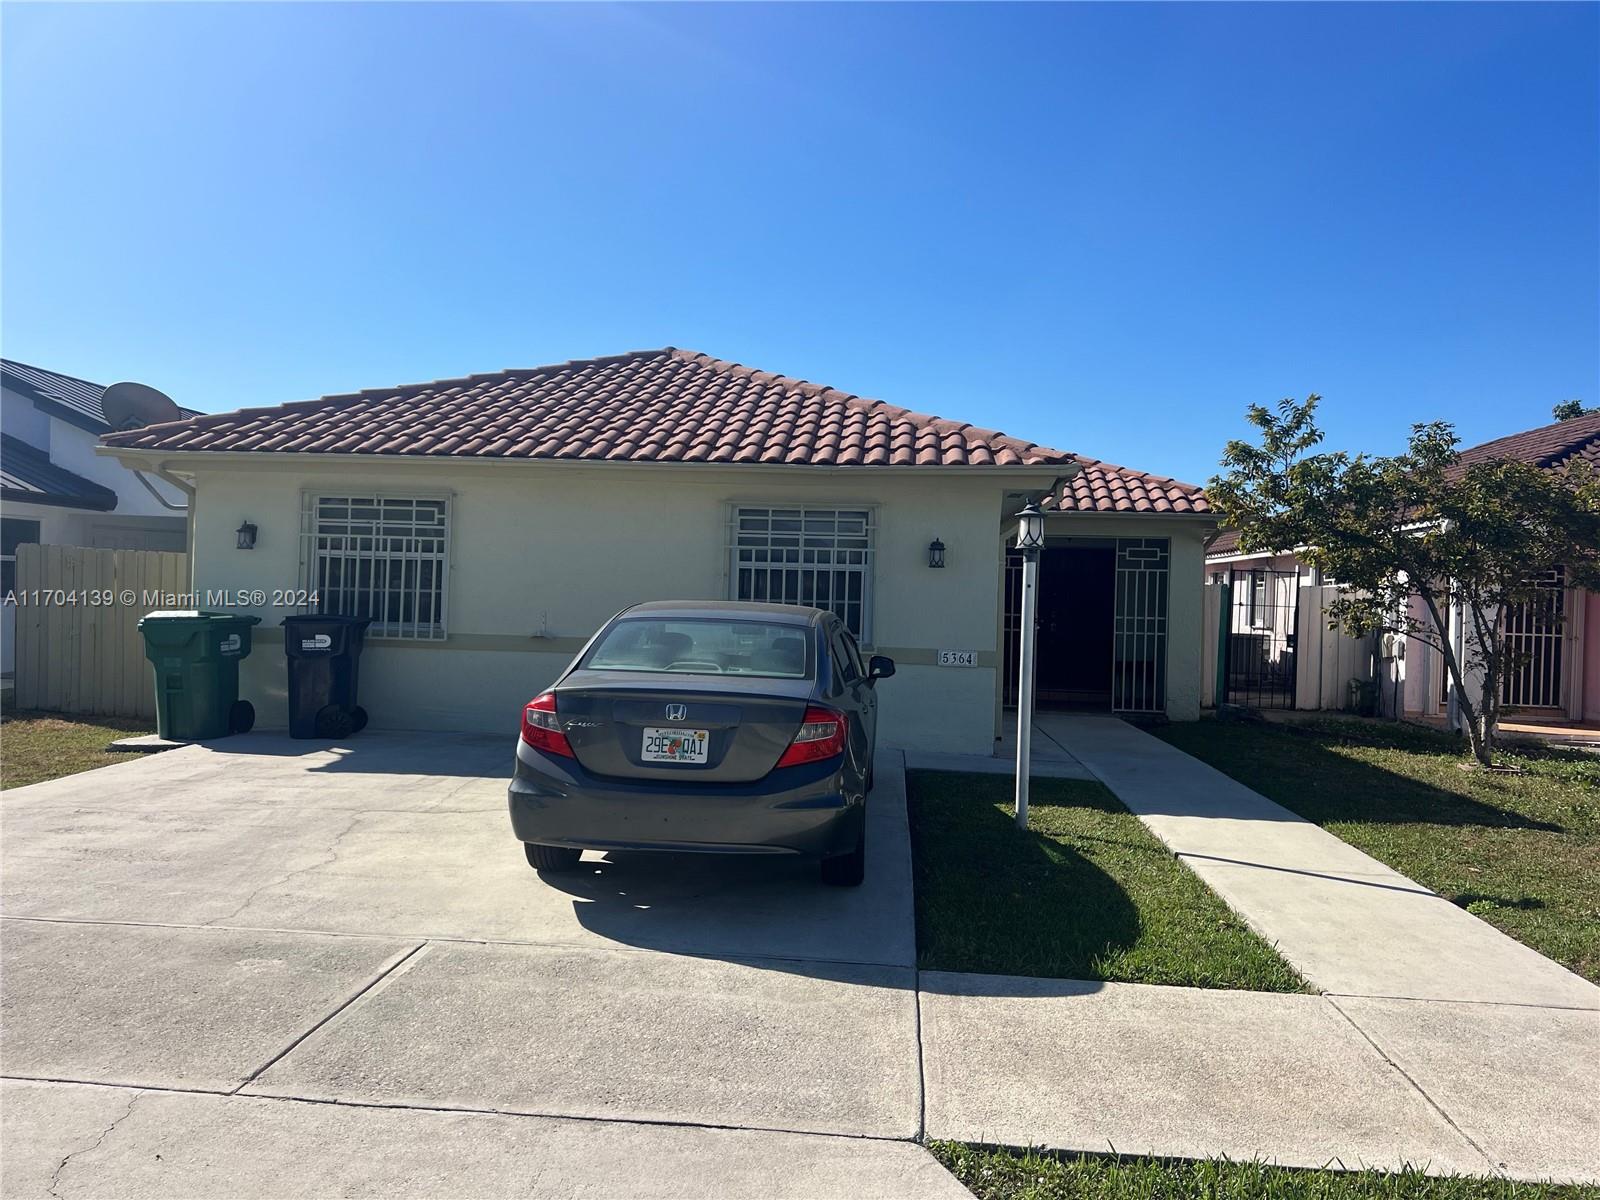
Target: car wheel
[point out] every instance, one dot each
(847, 870)
(551, 858)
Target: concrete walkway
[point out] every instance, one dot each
(1351, 925)
(1471, 1089)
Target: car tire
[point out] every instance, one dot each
(847, 870)
(551, 858)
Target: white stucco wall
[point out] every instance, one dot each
(554, 549)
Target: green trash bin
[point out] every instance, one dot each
(196, 656)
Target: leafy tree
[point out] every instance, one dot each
(1569, 410)
(1415, 525)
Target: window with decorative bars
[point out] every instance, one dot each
(377, 556)
(1535, 646)
(817, 557)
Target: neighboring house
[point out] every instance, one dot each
(1559, 638)
(490, 524)
(55, 489)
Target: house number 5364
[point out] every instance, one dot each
(958, 658)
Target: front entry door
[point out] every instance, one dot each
(1077, 600)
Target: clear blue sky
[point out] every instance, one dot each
(1107, 228)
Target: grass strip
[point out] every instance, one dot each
(1086, 892)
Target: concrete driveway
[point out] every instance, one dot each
(311, 971)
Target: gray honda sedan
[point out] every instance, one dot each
(725, 728)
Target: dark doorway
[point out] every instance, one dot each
(1102, 625)
(1077, 604)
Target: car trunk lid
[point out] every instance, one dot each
(747, 726)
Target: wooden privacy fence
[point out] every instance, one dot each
(78, 647)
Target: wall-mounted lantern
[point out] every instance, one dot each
(936, 553)
(247, 536)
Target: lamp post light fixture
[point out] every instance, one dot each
(1030, 540)
(247, 536)
(936, 553)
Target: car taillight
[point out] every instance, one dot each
(541, 728)
(821, 736)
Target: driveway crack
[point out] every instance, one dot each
(332, 856)
(55, 1176)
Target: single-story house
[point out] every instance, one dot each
(490, 524)
(1558, 639)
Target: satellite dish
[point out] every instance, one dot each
(133, 405)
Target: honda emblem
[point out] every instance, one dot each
(677, 712)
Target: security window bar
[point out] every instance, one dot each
(1533, 643)
(381, 557)
(1139, 644)
(816, 557)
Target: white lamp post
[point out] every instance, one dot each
(1030, 540)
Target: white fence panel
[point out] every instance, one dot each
(1328, 659)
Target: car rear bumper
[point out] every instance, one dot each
(795, 810)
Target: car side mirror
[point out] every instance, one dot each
(879, 666)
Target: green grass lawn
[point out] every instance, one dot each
(1085, 893)
(1522, 851)
(996, 1174)
(35, 746)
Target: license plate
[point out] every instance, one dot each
(675, 745)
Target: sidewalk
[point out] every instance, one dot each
(1351, 925)
(1297, 1080)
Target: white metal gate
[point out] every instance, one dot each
(1532, 633)
(1139, 649)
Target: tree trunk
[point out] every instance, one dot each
(1479, 718)
(1481, 734)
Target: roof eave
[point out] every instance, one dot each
(1052, 471)
(59, 500)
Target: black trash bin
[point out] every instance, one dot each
(324, 655)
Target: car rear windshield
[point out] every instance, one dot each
(705, 646)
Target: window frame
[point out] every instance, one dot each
(849, 665)
(414, 630)
(1261, 614)
(738, 509)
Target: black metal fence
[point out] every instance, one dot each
(1263, 612)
